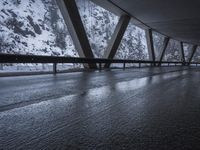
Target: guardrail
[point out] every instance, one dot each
(16, 58)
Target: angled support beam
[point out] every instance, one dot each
(149, 37)
(182, 53)
(165, 44)
(116, 38)
(70, 13)
(194, 49)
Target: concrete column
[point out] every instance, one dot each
(116, 38)
(194, 49)
(182, 52)
(73, 21)
(150, 45)
(165, 44)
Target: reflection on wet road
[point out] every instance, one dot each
(149, 108)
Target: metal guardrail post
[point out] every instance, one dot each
(1, 66)
(54, 68)
(100, 66)
(16, 58)
(124, 65)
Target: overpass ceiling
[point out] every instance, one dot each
(179, 19)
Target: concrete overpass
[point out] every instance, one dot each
(154, 107)
(177, 19)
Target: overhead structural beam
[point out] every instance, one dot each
(112, 7)
(182, 52)
(106, 4)
(70, 13)
(116, 38)
(150, 45)
(165, 43)
(194, 49)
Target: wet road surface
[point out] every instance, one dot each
(143, 109)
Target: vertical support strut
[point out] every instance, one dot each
(149, 37)
(165, 43)
(182, 53)
(194, 49)
(70, 13)
(116, 38)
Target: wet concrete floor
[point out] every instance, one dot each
(142, 109)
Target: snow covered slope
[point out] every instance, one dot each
(37, 27)
(33, 27)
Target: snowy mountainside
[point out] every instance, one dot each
(33, 27)
(36, 27)
(99, 25)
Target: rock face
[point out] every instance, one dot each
(100, 24)
(36, 27)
